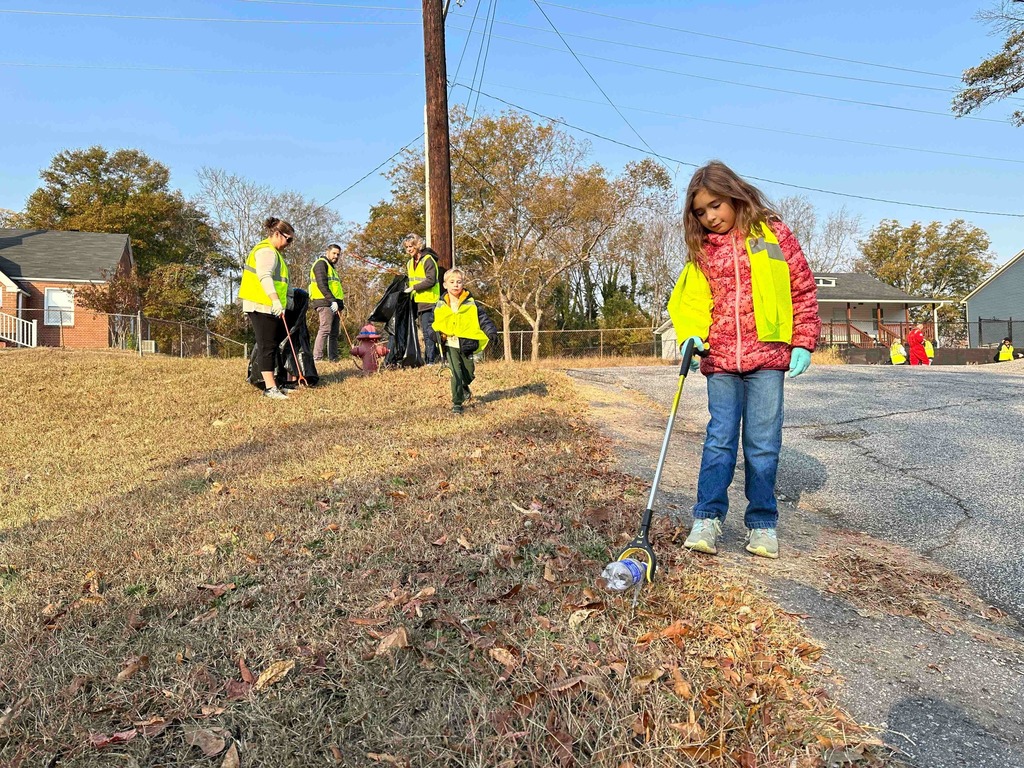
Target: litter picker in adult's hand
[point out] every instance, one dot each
(641, 545)
(342, 324)
(298, 366)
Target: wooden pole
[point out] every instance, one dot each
(439, 169)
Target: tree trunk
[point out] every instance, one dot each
(506, 327)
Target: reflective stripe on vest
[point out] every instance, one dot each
(418, 274)
(691, 302)
(770, 287)
(463, 322)
(251, 289)
(333, 282)
(1005, 353)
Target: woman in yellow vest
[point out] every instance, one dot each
(465, 329)
(265, 295)
(748, 295)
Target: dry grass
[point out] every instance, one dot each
(827, 356)
(357, 577)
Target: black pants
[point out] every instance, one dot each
(270, 332)
(430, 354)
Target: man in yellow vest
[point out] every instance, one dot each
(328, 298)
(424, 286)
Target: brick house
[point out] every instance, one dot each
(40, 271)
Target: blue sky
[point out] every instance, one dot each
(314, 106)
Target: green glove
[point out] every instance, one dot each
(698, 346)
(799, 361)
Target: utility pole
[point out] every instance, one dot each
(439, 168)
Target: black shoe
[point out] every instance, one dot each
(457, 409)
(466, 395)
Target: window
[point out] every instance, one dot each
(825, 282)
(60, 307)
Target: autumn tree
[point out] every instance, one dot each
(928, 260)
(1001, 75)
(126, 191)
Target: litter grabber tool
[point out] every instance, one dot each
(298, 366)
(342, 324)
(640, 546)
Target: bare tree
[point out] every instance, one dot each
(829, 245)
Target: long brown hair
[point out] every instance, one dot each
(273, 224)
(719, 179)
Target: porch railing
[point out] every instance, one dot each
(14, 330)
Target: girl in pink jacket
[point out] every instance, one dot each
(747, 297)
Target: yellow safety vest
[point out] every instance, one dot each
(929, 350)
(1005, 353)
(463, 321)
(251, 289)
(690, 304)
(897, 353)
(333, 282)
(418, 274)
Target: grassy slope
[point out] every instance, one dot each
(166, 536)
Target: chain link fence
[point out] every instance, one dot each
(991, 332)
(592, 342)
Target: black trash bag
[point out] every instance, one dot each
(284, 360)
(397, 311)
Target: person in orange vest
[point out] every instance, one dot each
(915, 340)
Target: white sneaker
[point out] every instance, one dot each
(704, 536)
(275, 394)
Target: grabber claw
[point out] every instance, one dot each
(641, 545)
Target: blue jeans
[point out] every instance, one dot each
(430, 354)
(755, 399)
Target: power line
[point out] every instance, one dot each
(756, 178)
(483, 52)
(592, 78)
(761, 87)
(197, 70)
(767, 130)
(751, 43)
(606, 41)
(330, 5)
(365, 176)
(465, 45)
(212, 20)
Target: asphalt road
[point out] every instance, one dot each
(929, 458)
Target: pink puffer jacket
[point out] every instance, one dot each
(733, 337)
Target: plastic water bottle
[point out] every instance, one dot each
(620, 575)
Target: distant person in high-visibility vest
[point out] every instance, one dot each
(425, 287)
(897, 352)
(915, 340)
(265, 295)
(929, 350)
(1006, 352)
(327, 297)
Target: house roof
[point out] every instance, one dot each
(48, 254)
(7, 284)
(857, 286)
(993, 276)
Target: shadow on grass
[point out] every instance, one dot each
(540, 389)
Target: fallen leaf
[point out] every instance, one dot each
(578, 617)
(100, 741)
(566, 684)
(152, 727)
(217, 589)
(464, 543)
(549, 574)
(247, 676)
(336, 752)
(133, 666)
(274, 673)
(691, 733)
(642, 681)
(397, 639)
(381, 757)
(680, 687)
(441, 542)
(236, 690)
(503, 656)
(362, 621)
(231, 758)
(210, 741)
(208, 710)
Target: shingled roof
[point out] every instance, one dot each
(859, 287)
(48, 254)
